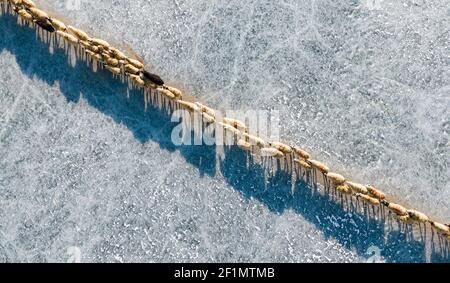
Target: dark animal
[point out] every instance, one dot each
(146, 76)
(46, 25)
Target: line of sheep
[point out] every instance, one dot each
(98, 51)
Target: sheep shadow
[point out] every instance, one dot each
(349, 223)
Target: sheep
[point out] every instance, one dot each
(396, 208)
(206, 109)
(114, 70)
(38, 14)
(368, 199)
(131, 69)
(440, 228)
(99, 43)
(303, 164)
(244, 145)
(81, 35)
(188, 105)
(300, 152)
(375, 192)
(254, 140)
(231, 129)
(58, 25)
(136, 80)
(68, 37)
(336, 178)
(345, 189)
(176, 91)
(318, 165)
(271, 152)
(417, 215)
(236, 123)
(25, 15)
(116, 53)
(208, 118)
(281, 147)
(28, 3)
(135, 63)
(359, 188)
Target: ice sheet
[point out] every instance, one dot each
(363, 85)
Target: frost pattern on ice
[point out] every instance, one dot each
(366, 88)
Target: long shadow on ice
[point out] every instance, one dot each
(350, 225)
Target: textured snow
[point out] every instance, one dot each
(364, 85)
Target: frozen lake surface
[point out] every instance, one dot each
(363, 85)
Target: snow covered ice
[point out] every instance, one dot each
(364, 85)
